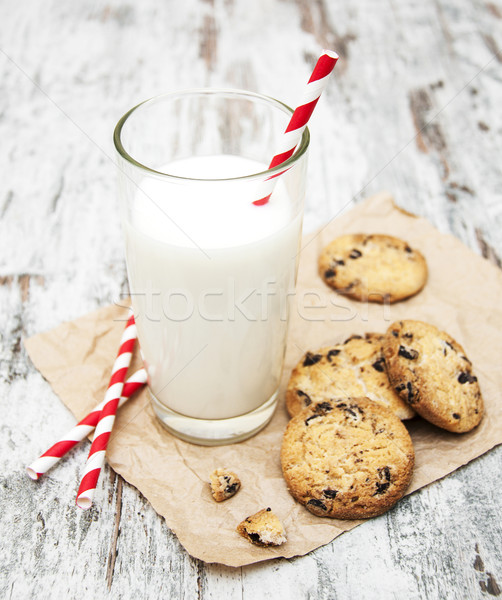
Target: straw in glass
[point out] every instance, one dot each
(299, 120)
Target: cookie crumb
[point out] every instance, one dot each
(224, 484)
(263, 529)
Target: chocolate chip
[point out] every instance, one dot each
(329, 273)
(311, 359)
(351, 409)
(323, 407)
(317, 504)
(330, 493)
(466, 377)
(395, 332)
(384, 473)
(412, 394)
(355, 254)
(230, 489)
(466, 359)
(409, 336)
(408, 353)
(381, 487)
(254, 537)
(407, 248)
(456, 416)
(379, 365)
(332, 353)
(353, 337)
(310, 418)
(305, 397)
(340, 262)
(269, 509)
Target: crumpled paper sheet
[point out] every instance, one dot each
(462, 296)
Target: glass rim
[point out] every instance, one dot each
(287, 164)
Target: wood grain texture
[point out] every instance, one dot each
(414, 108)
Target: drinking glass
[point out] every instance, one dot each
(211, 274)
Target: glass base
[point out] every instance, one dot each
(214, 432)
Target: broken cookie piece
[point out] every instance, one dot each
(224, 484)
(263, 529)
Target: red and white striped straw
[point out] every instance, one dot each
(82, 429)
(96, 457)
(299, 119)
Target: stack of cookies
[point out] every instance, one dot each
(346, 453)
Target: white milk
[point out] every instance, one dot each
(192, 277)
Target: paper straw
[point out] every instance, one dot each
(96, 457)
(299, 120)
(54, 454)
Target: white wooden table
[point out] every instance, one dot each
(414, 107)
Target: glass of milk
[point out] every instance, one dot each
(211, 274)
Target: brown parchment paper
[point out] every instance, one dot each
(462, 296)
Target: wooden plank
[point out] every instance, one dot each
(413, 107)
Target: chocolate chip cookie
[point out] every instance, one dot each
(354, 368)
(431, 372)
(374, 268)
(224, 484)
(263, 529)
(347, 459)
